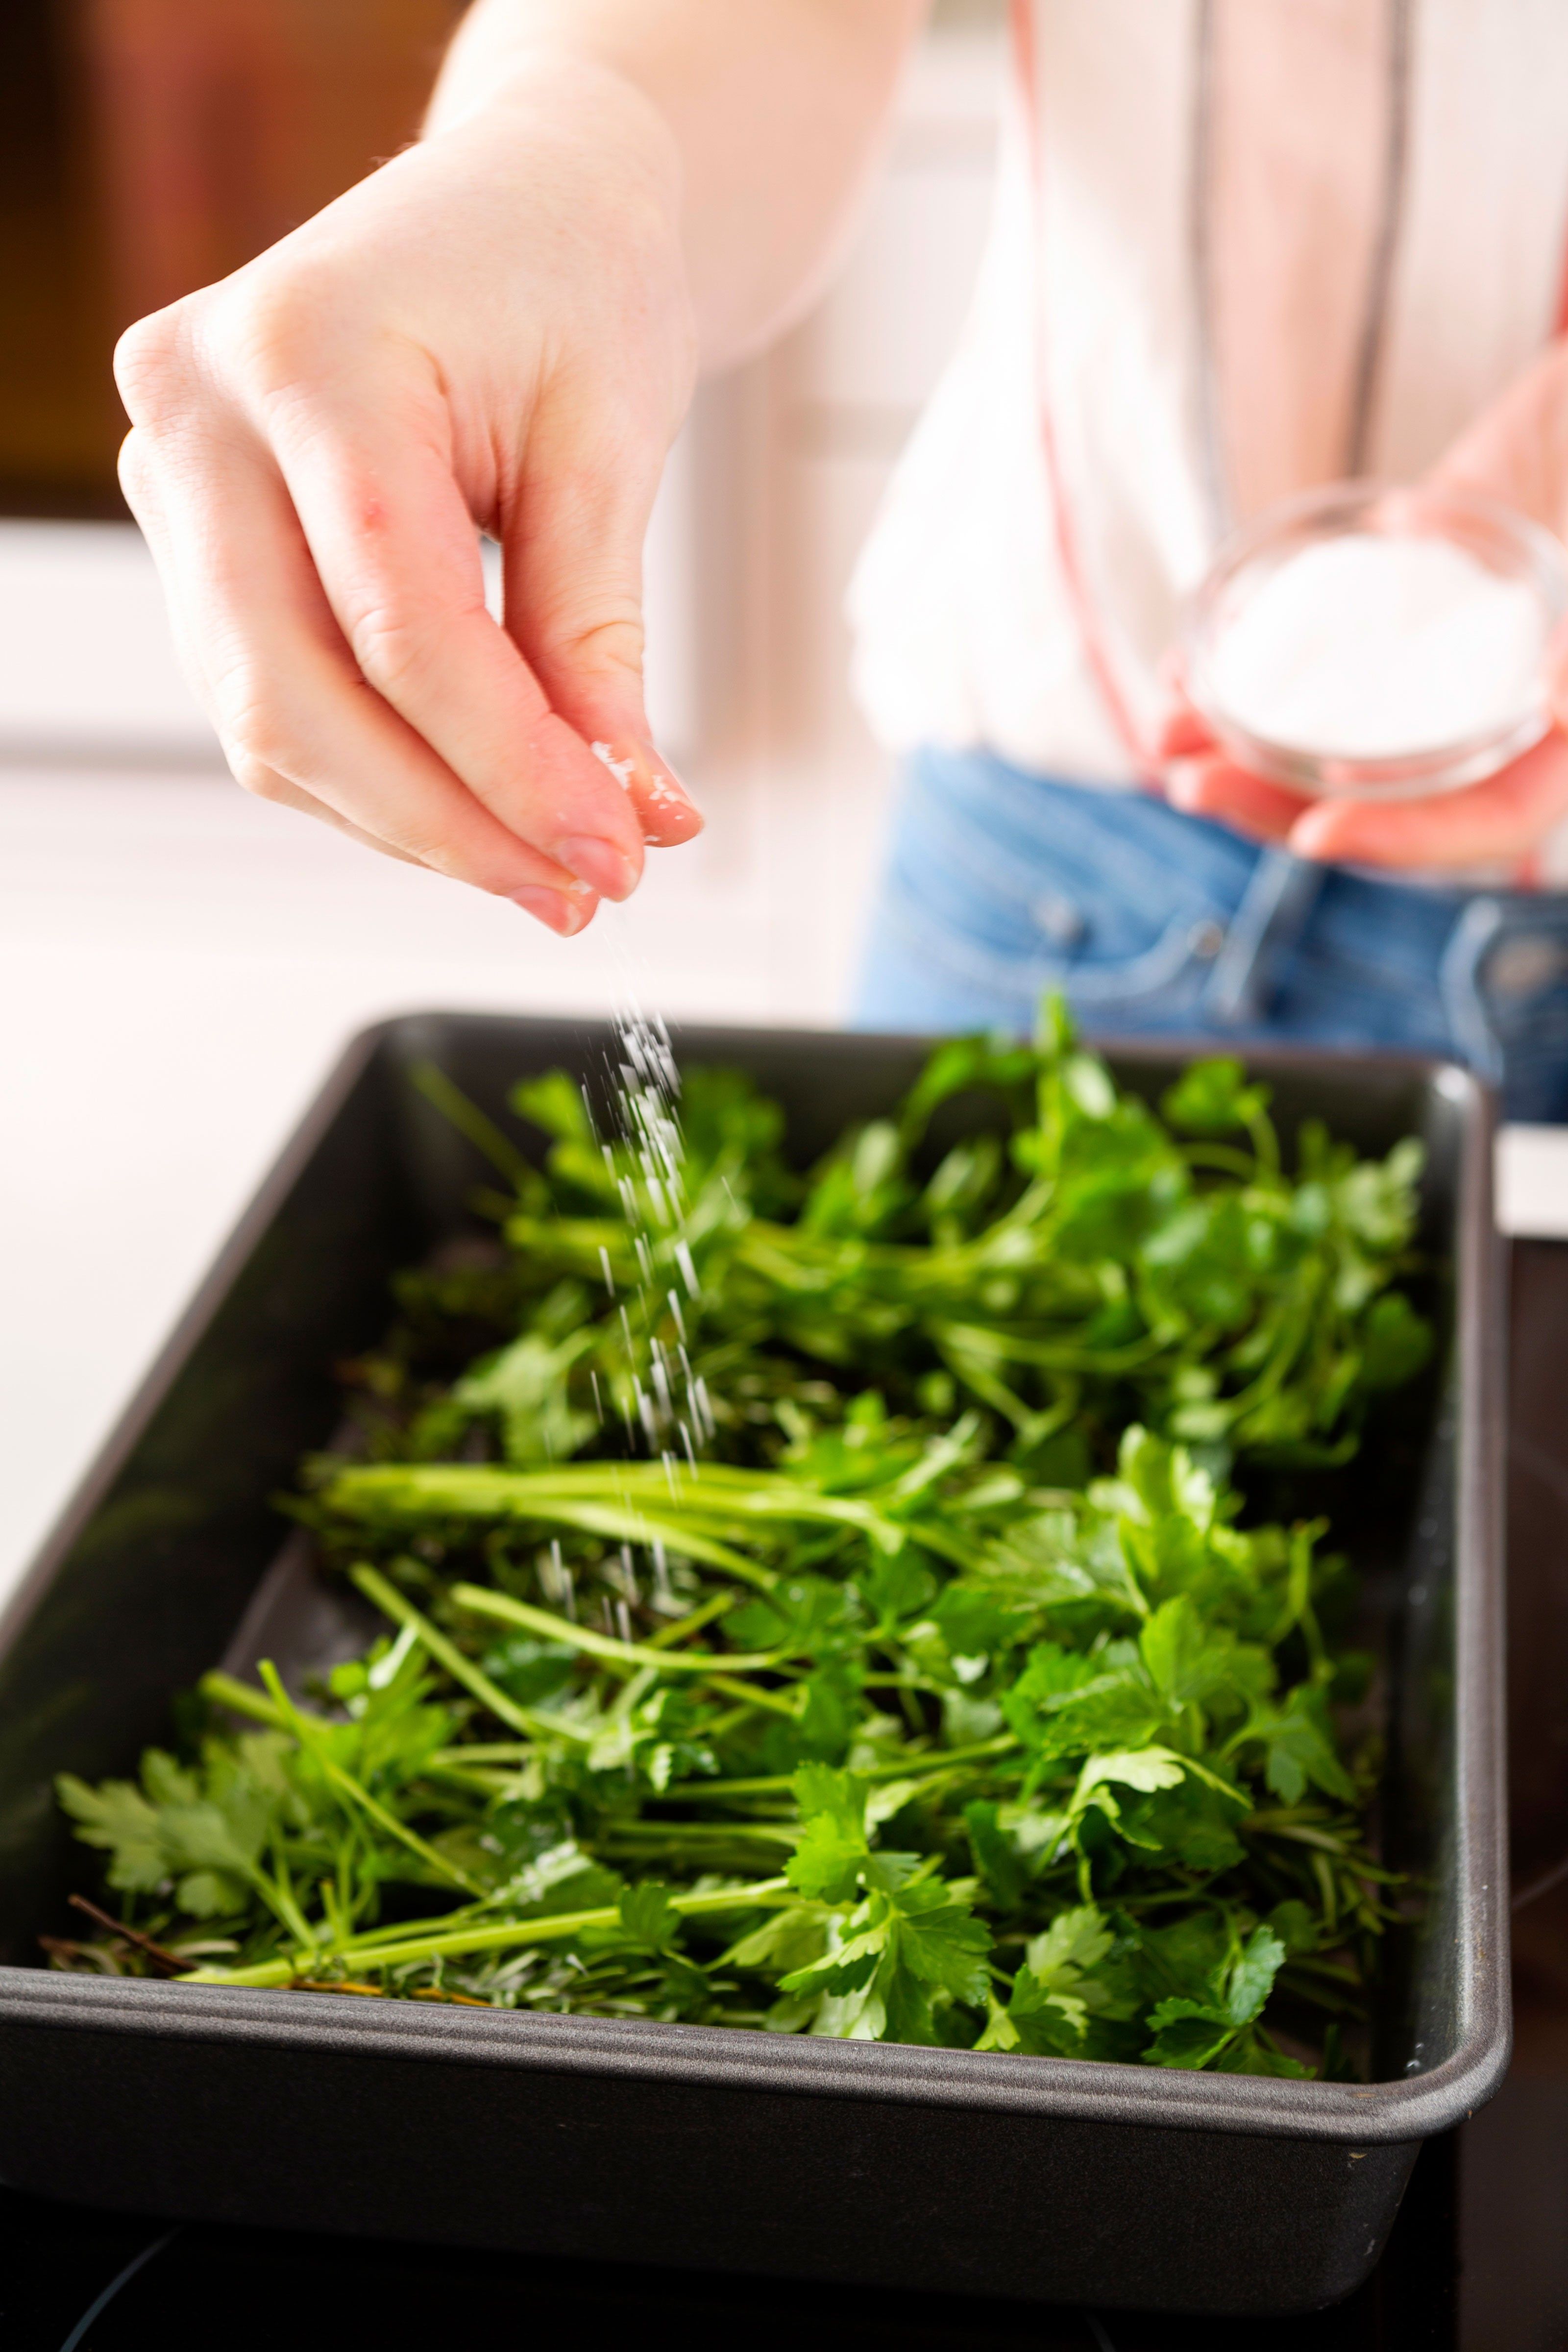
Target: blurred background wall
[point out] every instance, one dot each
(148, 147)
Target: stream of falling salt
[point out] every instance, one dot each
(666, 1404)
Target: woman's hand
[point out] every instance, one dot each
(493, 331)
(1517, 452)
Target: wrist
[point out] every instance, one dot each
(551, 85)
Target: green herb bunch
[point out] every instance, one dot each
(936, 1684)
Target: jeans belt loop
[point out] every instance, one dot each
(1274, 908)
(1460, 983)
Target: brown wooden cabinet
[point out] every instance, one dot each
(148, 146)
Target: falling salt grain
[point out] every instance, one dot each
(560, 1584)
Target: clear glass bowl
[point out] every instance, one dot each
(1503, 542)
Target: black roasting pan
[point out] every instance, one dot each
(941, 2170)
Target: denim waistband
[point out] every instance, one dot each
(1001, 884)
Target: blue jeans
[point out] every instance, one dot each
(1001, 885)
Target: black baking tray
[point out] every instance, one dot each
(638, 2141)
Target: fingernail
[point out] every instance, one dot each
(599, 863)
(639, 768)
(554, 910)
(664, 787)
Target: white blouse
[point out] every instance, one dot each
(1238, 247)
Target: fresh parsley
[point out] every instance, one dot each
(947, 1690)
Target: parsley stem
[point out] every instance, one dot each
(279, 1896)
(753, 1694)
(391, 1603)
(469, 1490)
(1265, 1143)
(489, 1781)
(224, 1690)
(667, 1636)
(367, 1953)
(694, 1833)
(626, 1657)
(932, 1764)
(495, 1751)
(1275, 1825)
(471, 1122)
(1222, 1157)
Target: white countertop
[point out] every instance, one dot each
(179, 965)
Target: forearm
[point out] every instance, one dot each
(772, 108)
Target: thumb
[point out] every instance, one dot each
(573, 545)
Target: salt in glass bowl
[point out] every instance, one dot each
(1503, 542)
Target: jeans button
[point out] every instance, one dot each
(1057, 920)
(1206, 940)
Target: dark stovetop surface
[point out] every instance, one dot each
(1477, 2261)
